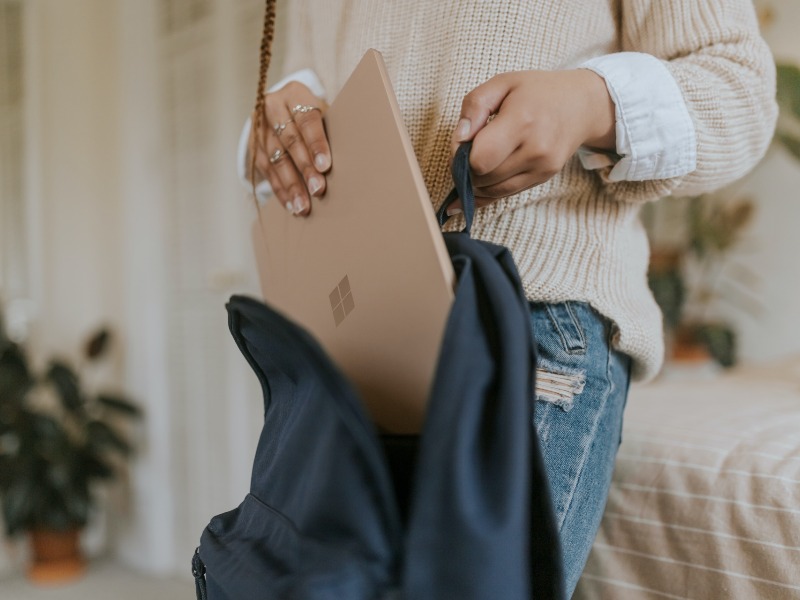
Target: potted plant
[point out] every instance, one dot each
(692, 277)
(694, 273)
(56, 440)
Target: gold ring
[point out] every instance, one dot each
(276, 156)
(303, 108)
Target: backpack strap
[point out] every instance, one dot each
(463, 188)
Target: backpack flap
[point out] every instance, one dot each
(320, 521)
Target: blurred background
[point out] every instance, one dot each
(120, 207)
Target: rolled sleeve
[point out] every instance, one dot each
(656, 137)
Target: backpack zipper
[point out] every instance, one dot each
(199, 573)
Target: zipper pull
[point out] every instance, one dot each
(199, 572)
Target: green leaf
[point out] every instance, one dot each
(95, 467)
(47, 433)
(721, 343)
(13, 359)
(788, 87)
(66, 383)
(102, 436)
(59, 476)
(120, 405)
(18, 502)
(791, 143)
(4, 341)
(77, 503)
(52, 512)
(9, 469)
(15, 377)
(670, 294)
(97, 344)
(698, 226)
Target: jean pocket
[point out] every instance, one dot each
(563, 334)
(568, 326)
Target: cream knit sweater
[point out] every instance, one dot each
(576, 237)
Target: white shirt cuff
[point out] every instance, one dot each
(263, 190)
(656, 138)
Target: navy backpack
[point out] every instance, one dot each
(337, 511)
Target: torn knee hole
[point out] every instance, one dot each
(559, 388)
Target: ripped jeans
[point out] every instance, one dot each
(581, 388)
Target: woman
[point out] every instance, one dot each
(579, 113)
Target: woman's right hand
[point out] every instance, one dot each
(291, 147)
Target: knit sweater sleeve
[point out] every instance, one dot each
(296, 33)
(726, 74)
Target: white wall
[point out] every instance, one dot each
(184, 96)
(75, 177)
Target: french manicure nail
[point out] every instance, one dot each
(298, 205)
(314, 185)
(454, 211)
(462, 131)
(321, 162)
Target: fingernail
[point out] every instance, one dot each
(321, 162)
(314, 185)
(290, 207)
(462, 131)
(298, 205)
(454, 211)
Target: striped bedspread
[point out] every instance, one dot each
(705, 503)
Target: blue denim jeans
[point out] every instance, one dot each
(582, 385)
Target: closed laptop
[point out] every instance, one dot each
(367, 272)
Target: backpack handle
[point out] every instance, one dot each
(463, 189)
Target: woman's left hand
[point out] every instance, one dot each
(541, 119)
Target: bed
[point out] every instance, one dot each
(705, 503)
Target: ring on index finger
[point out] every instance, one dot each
(303, 108)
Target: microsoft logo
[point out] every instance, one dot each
(342, 303)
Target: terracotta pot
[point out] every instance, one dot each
(665, 260)
(694, 353)
(686, 348)
(57, 556)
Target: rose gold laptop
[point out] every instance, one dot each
(367, 273)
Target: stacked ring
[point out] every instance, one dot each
(279, 127)
(276, 156)
(303, 108)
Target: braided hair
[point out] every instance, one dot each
(259, 114)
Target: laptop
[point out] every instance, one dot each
(367, 273)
